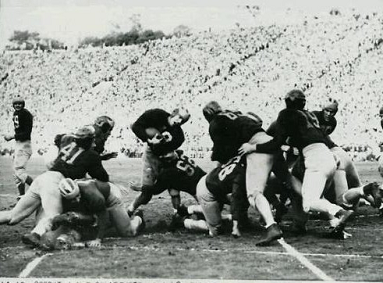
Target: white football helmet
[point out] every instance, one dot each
(68, 188)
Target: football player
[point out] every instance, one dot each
(75, 159)
(77, 197)
(328, 123)
(304, 130)
(103, 126)
(162, 133)
(228, 131)
(179, 173)
(23, 124)
(226, 184)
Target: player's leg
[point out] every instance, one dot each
(23, 152)
(143, 198)
(257, 173)
(51, 201)
(300, 217)
(25, 206)
(320, 166)
(353, 179)
(151, 167)
(210, 207)
(124, 225)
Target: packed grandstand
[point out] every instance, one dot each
(334, 56)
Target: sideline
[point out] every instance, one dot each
(318, 272)
(31, 266)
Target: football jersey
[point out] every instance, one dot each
(74, 162)
(229, 130)
(22, 122)
(221, 179)
(230, 178)
(302, 127)
(181, 174)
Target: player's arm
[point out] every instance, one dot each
(102, 222)
(273, 145)
(96, 170)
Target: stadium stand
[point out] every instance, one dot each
(333, 56)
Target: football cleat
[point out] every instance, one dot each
(273, 232)
(339, 222)
(375, 190)
(280, 210)
(176, 223)
(298, 228)
(182, 211)
(31, 239)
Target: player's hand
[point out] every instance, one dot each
(246, 148)
(9, 137)
(96, 243)
(109, 155)
(157, 139)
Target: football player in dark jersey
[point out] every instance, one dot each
(304, 130)
(75, 160)
(162, 133)
(226, 184)
(103, 126)
(179, 173)
(23, 124)
(228, 131)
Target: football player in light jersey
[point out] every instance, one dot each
(75, 159)
(78, 219)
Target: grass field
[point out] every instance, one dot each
(159, 254)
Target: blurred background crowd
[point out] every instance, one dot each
(335, 56)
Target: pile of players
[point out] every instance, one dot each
(293, 159)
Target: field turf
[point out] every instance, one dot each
(159, 254)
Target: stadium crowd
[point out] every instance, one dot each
(244, 67)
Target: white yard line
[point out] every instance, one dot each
(293, 252)
(31, 266)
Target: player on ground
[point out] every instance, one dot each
(23, 124)
(81, 193)
(162, 134)
(179, 173)
(75, 160)
(228, 131)
(303, 128)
